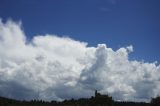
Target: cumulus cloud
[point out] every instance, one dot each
(56, 68)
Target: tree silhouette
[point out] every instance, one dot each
(155, 101)
(97, 100)
(101, 100)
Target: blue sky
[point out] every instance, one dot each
(116, 23)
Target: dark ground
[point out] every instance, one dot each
(98, 100)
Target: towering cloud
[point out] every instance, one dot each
(51, 67)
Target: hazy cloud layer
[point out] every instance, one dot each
(51, 67)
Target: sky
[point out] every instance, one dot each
(113, 22)
(47, 46)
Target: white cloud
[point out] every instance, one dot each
(48, 65)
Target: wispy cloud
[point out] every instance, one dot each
(112, 2)
(107, 5)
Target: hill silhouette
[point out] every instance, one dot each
(97, 100)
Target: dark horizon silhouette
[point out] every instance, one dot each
(97, 100)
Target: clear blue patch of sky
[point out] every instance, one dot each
(114, 22)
